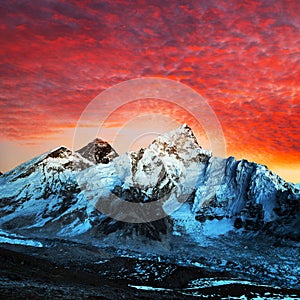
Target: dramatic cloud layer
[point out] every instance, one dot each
(242, 56)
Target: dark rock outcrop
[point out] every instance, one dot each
(98, 152)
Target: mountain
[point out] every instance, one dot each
(170, 220)
(98, 151)
(42, 191)
(255, 197)
(165, 172)
(219, 192)
(172, 187)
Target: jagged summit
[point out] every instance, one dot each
(171, 159)
(58, 156)
(183, 132)
(181, 142)
(98, 151)
(59, 152)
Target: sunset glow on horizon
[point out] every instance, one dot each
(243, 57)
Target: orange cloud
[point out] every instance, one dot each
(243, 56)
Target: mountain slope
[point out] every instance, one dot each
(42, 190)
(250, 194)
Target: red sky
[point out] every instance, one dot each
(242, 56)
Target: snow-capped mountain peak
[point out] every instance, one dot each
(180, 142)
(98, 151)
(43, 186)
(60, 156)
(172, 160)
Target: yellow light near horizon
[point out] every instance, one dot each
(288, 174)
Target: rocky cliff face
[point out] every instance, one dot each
(248, 193)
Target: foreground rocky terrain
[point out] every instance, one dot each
(70, 270)
(169, 221)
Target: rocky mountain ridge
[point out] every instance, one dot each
(61, 189)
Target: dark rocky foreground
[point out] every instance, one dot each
(67, 270)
